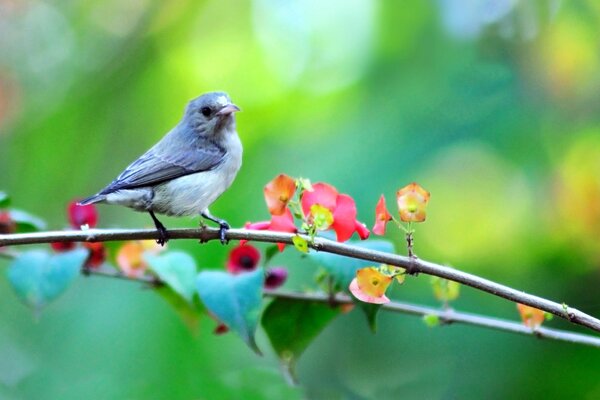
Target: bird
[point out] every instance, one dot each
(187, 170)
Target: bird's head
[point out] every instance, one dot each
(210, 113)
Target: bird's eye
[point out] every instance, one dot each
(205, 111)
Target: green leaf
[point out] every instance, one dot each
(188, 312)
(292, 325)
(431, 320)
(300, 244)
(177, 269)
(371, 311)
(270, 252)
(38, 277)
(343, 269)
(234, 299)
(26, 222)
(4, 199)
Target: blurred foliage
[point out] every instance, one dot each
(492, 106)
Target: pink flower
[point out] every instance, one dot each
(327, 209)
(82, 215)
(275, 277)
(278, 193)
(278, 223)
(382, 217)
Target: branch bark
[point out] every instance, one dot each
(412, 265)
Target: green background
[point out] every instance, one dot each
(490, 105)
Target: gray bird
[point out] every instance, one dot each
(187, 170)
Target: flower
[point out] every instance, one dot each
(370, 285)
(532, 317)
(7, 224)
(275, 277)
(278, 193)
(60, 247)
(82, 215)
(278, 223)
(97, 254)
(341, 215)
(243, 258)
(130, 257)
(382, 217)
(412, 200)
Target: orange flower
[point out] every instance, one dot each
(278, 193)
(412, 201)
(130, 257)
(532, 317)
(370, 286)
(382, 217)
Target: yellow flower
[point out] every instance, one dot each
(412, 201)
(370, 285)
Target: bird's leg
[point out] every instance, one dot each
(223, 225)
(163, 236)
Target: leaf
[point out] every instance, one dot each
(26, 222)
(4, 199)
(343, 269)
(177, 269)
(38, 277)
(300, 244)
(189, 312)
(431, 320)
(292, 325)
(234, 299)
(371, 311)
(270, 252)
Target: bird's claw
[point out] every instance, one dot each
(163, 236)
(223, 227)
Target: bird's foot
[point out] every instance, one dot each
(223, 226)
(163, 235)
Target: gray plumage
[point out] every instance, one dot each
(187, 170)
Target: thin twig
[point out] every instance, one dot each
(446, 316)
(320, 244)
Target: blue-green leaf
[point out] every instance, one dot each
(234, 299)
(177, 269)
(26, 222)
(343, 269)
(39, 277)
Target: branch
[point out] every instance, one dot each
(446, 316)
(412, 265)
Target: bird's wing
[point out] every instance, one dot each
(154, 167)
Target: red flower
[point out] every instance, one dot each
(275, 277)
(278, 223)
(278, 193)
(382, 217)
(82, 215)
(243, 258)
(60, 247)
(7, 225)
(97, 254)
(341, 207)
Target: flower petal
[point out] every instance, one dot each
(412, 201)
(323, 194)
(278, 193)
(82, 215)
(362, 296)
(344, 217)
(382, 217)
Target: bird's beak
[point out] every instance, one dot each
(228, 110)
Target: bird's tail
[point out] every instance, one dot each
(97, 198)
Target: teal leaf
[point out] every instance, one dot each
(234, 299)
(343, 269)
(4, 200)
(292, 325)
(26, 222)
(175, 268)
(38, 277)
